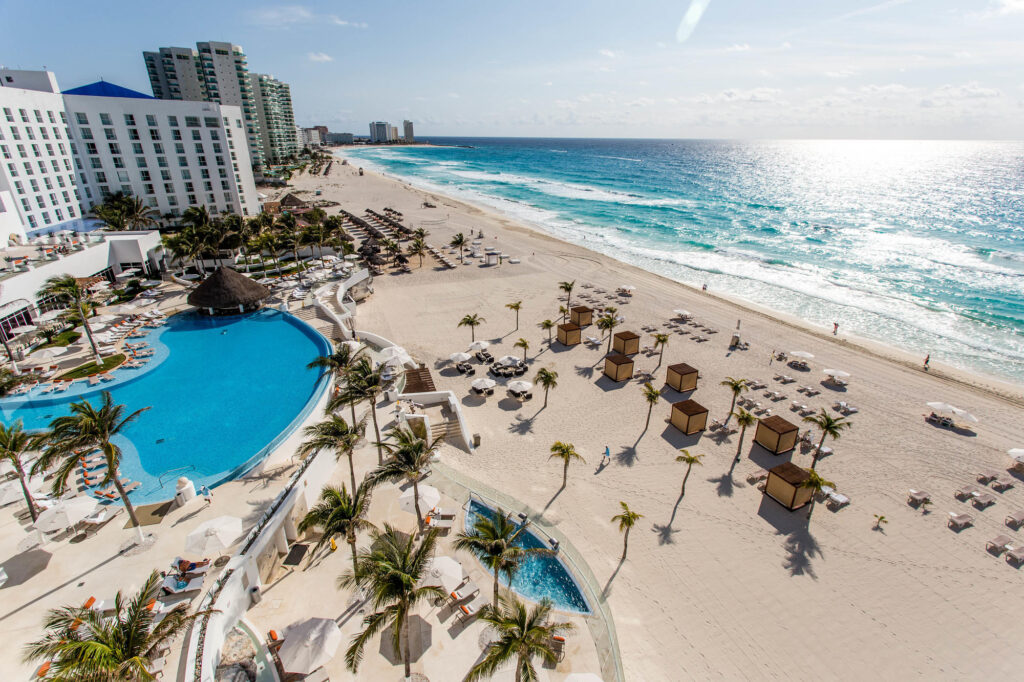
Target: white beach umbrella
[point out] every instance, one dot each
(103, 318)
(48, 353)
(430, 497)
(682, 313)
(213, 536)
(479, 345)
(507, 360)
(946, 408)
(837, 373)
(351, 257)
(23, 329)
(483, 383)
(520, 386)
(309, 645)
(11, 492)
(1017, 454)
(353, 346)
(802, 354)
(395, 354)
(65, 514)
(50, 315)
(627, 287)
(445, 571)
(459, 357)
(152, 283)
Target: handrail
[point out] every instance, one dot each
(176, 470)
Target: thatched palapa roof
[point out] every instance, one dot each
(227, 288)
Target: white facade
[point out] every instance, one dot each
(309, 137)
(380, 131)
(172, 154)
(36, 163)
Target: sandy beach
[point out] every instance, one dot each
(723, 583)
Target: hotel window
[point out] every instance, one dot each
(204, 173)
(172, 121)
(82, 119)
(46, 218)
(114, 148)
(9, 114)
(53, 199)
(179, 148)
(105, 120)
(6, 151)
(158, 148)
(56, 133)
(208, 186)
(165, 175)
(15, 135)
(71, 211)
(140, 161)
(122, 176)
(28, 169)
(186, 174)
(145, 176)
(172, 200)
(161, 161)
(49, 184)
(34, 184)
(182, 161)
(67, 199)
(78, 163)
(109, 132)
(67, 164)
(104, 191)
(222, 172)
(129, 119)
(18, 186)
(197, 135)
(192, 199)
(137, 148)
(126, 189)
(151, 202)
(151, 120)
(32, 221)
(95, 162)
(148, 189)
(214, 135)
(40, 202)
(49, 149)
(59, 214)
(101, 177)
(39, 115)
(64, 119)
(25, 205)
(60, 180)
(24, 115)
(217, 148)
(49, 115)
(189, 187)
(191, 121)
(168, 188)
(199, 147)
(154, 134)
(133, 134)
(118, 162)
(86, 133)
(60, 148)
(35, 150)
(176, 134)
(202, 160)
(43, 134)
(30, 134)
(238, 123)
(90, 148)
(220, 160)
(13, 170)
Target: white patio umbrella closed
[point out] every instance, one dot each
(309, 645)
(430, 497)
(445, 571)
(65, 514)
(395, 354)
(213, 536)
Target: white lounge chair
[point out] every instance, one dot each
(172, 585)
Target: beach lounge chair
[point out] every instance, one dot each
(965, 492)
(172, 585)
(998, 544)
(959, 521)
(1002, 483)
(984, 500)
(916, 497)
(987, 475)
(194, 567)
(1015, 519)
(834, 500)
(756, 476)
(472, 608)
(464, 591)
(1016, 555)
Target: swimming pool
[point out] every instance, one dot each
(539, 575)
(222, 393)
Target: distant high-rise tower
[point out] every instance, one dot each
(380, 131)
(407, 129)
(219, 72)
(273, 104)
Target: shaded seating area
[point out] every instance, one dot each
(569, 334)
(682, 377)
(618, 367)
(228, 292)
(627, 343)
(784, 485)
(689, 416)
(581, 315)
(776, 435)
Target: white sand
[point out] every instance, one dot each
(737, 587)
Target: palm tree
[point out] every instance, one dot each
(830, 426)
(880, 521)
(14, 445)
(548, 378)
(523, 635)
(567, 453)
(409, 459)
(815, 483)
(516, 306)
(744, 419)
(652, 396)
(67, 289)
(471, 321)
(459, 242)
(420, 233)
(689, 460)
(417, 247)
(85, 644)
(363, 382)
(567, 288)
(339, 513)
(524, 344)
(737, 386)
(10, 379)
(608, 323)
(87, 428)
(392, 572)
(547, 325)
(661, 340)
(492, 540)
(339, 364)
(333, 434)
(137, 214)
(627, 519)
(564, 312)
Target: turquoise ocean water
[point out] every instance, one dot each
(917, 244)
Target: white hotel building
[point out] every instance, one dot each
(62, 152)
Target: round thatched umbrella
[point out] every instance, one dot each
(228, 291)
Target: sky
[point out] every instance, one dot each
(588, 68)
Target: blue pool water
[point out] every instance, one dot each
(919, 244)
(221, 392)
(538, 576)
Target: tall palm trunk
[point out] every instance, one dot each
(127, 504)
(24, 489)
(733, 406)
(88, 333)
(404, 643)
(352, 471)
(351, 540)
(739, 449)
(545, 396)
(376, 429)
(497, 585)
(682, 490)
(565, 474)
(416, 503)
(650, 408)
(625, 544)
(817, 451)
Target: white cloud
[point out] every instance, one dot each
(734, 95)
(454, 95)
(338, 21)
(611, 54)
(320, 57)
(738, 47)
(968, 91)
(843, 73)
(284, 15)
(1004, 7)
(786, 45)
(548, 84)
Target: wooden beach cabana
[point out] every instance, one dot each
(776, 435)
(618, 367)
(689, 416)
(581, 315)
(627, 343)
(682, 377)
(785, 485)
(569, 334)
(228, 292)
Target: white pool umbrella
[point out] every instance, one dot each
(152, 283)
(479, 345)
(682, 313)
(309, 645)
(213, 536)
(351, 257)
(66, 514)
(627, 287)
(50, 315)
(946, 408)
(1017, 454)
(837, 373)
(23, 329)
(445, 571)
(430, 497)
(11, 492)
(483, 383)
(103, 318)
(802, 354)
(520, 386)
(507, 360)
(49, 353)
(459, 357)
(395, 354)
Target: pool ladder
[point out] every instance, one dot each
(174, 473)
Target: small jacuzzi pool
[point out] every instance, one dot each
(540, 575)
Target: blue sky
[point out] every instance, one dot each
(603, 68)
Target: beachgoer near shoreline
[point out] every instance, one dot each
(927, 359)
(835, 328)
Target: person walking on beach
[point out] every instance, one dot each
(207, 495)
(927, 359)
(771, 357)
(705, 287)
(835, 328)
(607, 459)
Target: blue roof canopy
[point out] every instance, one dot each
(105, 89)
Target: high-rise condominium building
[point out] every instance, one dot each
(273, 102)
(219, 72)
(410, 136)
(380, 131)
